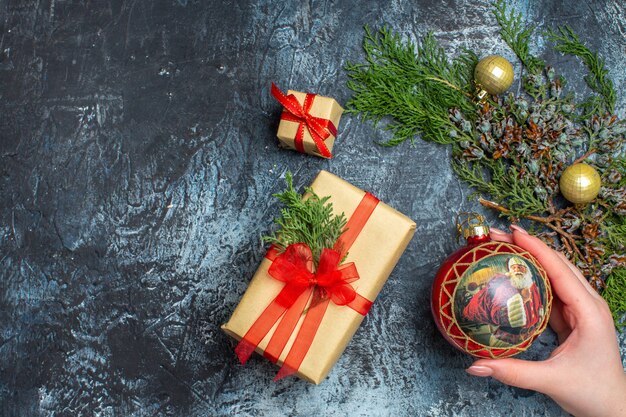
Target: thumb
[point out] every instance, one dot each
(516, 372)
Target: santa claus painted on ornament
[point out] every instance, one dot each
(510, 303)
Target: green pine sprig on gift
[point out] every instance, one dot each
(306, 219)
(512, 149)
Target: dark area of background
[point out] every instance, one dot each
(137, 160)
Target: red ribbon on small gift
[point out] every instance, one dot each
(319, 128)
(330, 282)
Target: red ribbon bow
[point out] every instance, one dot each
(320, 129)
(331, 282)
(295, 267)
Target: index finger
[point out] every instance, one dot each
(565, 284)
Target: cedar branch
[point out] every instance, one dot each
(551, 222)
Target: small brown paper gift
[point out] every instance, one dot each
(308, 123)
(376, 249)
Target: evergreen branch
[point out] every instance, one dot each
(567, 42)
(511, 149)
(502, 183)
(614, 234)
(463, 67)
(517, 35)
(615, 296)
(552, 222)
(619, 164)
(308, 219)
(412, 85)
(507, 212)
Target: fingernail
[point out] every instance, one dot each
(497, 231)
(517, 228)
(479, 370)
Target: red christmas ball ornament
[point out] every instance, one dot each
(490, 299)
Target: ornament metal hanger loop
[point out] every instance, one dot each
(470, 222)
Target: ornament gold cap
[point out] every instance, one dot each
(470, 225)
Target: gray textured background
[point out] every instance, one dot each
(137, 159)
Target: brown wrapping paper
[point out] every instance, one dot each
(324, 107)
(375, 253)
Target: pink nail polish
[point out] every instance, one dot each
(497, 231)
(517, 228)
(479, 370)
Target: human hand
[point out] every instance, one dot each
(584, 375)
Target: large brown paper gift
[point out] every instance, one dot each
(325, 108)
(375, 252)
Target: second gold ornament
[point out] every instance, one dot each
(580, 183)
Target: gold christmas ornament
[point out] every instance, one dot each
(580, 183)
(493, 75)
